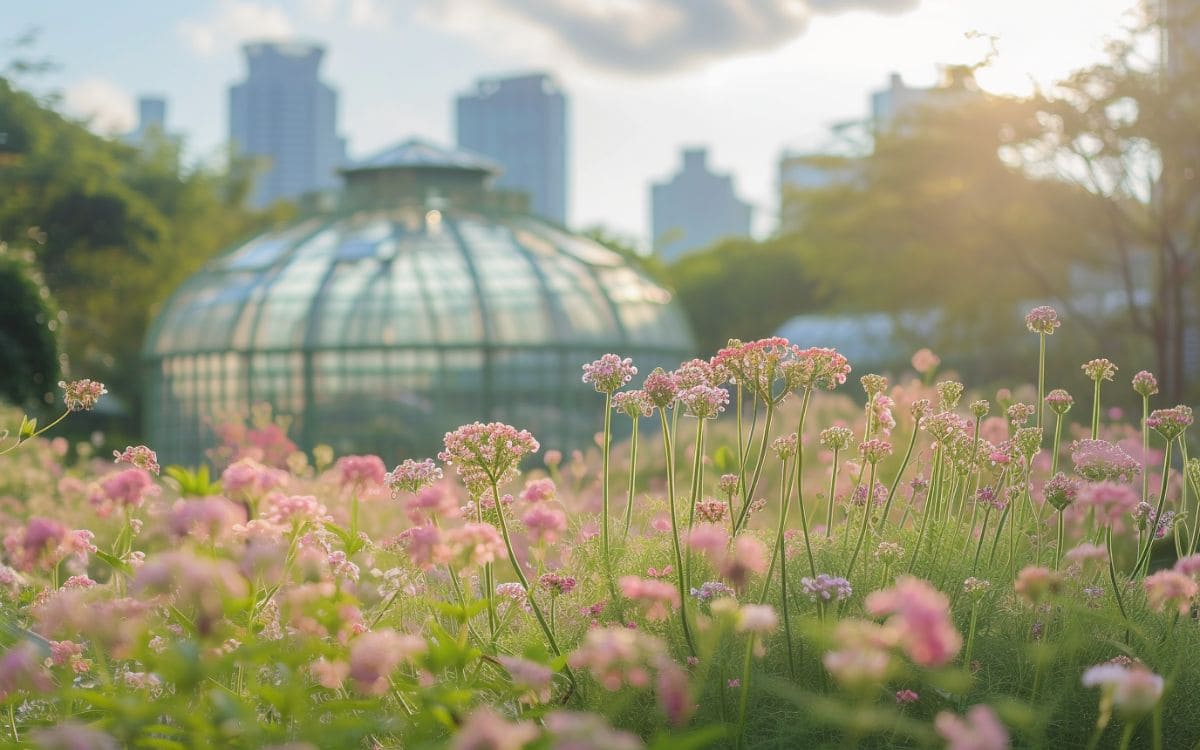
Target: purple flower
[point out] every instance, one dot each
(1059, 401)
(1170, 423)
(826, 588)
(1042, 320)
(633, 404)
(609, 373)
(1145, 384)
(704, 401)
(1061, 491)
(412, 476)
(1101, 461)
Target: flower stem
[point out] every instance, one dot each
(832, 491)
(745, 691)
(604, 493)
(812, 563)
(1058, 420)
(1145, 450)
(1096, 411)
(669, 452)
(1143, 560)
(1058, 549)
(862, 532)
(633, 451)
(1041, 403)
(887, 506)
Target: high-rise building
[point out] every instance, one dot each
(521, 122)
(695, 208)
(284, 114)
(151, 129)
(895, 107)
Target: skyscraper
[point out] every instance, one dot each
(695, 208)
(521, 122)
(286, 115)
(151, 128)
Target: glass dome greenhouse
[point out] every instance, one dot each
(417, 304)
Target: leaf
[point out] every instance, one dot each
(28, 427)
(115, 563)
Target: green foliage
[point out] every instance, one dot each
(742, 288)
(28, 322)
(118, 228)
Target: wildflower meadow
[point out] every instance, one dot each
(759, 551)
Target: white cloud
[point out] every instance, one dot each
(108, 108)
(233, 22)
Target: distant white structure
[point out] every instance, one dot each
(896, 106)
(695, 208)
(284, 114)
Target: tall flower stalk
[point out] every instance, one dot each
(1145, 385)
(1098, 370)
(1042, 320)
(635, 405)
(606, 375)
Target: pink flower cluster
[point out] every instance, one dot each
(360, 471)
(139, 456)
(659, 598)
(980, 730)
(412, 476)
(1042, 319)
(82, 395)
(1170, 423)
(483, 454)
(920, 616)
(633, 404)
(704, 401)
(249, 478)
(44, 542)
(609, 373)
(128, 488)
(1102, 461)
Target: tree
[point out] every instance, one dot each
(1124, 131)
(28, 321)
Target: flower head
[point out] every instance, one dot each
(556, 585)
(704, 401)
(661, 387)
(633, 404)
(1059, 401)
(483, 454)
(360, 471)
(757, 618)
(826, 588)
(1099, 369)
(82, 395)
(925, 361)
(1170, 423)
(758, 366)
(949, 394)
(980, 730)
(1133, 690)
(139, 456)
(817, 368)
(1042, 319)
(1170, 589)
(1061, 491)
(875, 450)
(1035, 583)
(609, 373)
(837, 438)
(920, 617)
(412, 476)
(1102, 461)
(1145, 384)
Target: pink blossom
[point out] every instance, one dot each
(710, 539)
(425, 546)
(1145, 384)
(925, 361)
(1111, 502)
(557, 585)
(139, 456)
(921, 616)
(486, 453)
(1035, 583)
(1133, 690)
(1189, 566)
(817, 368)
(906, 696)
(673, 693)
(375, 655)
(704, 401)
(44, 542)
(760, 619)
(329, 674)
(539, 491)
(206, 518)
(618, 656)
(430, 503)
(69, 735)
(579, 730)
(980, 730)
(748, 556)
(474, 544)
(82, 395)
(360, 471)
(248, 477)
(294, 510)
(129, 488)
(484, 729)
(658, 597)
(1171, 589)
(529, 678)
(412, 476)
(609, 373)
(545, 524)
(1042, 319)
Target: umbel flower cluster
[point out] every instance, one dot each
(912, 564)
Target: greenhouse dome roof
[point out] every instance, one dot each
(413, 307)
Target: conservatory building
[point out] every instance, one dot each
(419, 303)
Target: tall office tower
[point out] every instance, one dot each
(521, 122)
(284, 114)
(895, 107)
(695, 208)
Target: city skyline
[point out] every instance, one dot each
(747, 99)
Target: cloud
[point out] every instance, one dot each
(657, 36)
(106, 106)
(235, 21)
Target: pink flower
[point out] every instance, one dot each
(206, 518)
(1112, 502)
(633, 404)
(862, 659)
(1101, 461)
(661, 388)
(980, 730)
(760, 619)
(1145, 384)
(925, 361)
(329, 674)
(704, 401)
(673, 693)
(129, 488)
(658, 597)
(1189, 565)
(44, 542)
(1170, 423)
(412, 476)
(618, 656)
(1042, 319)
(487, 453)
(748, 556)
(529, 678)
(82, 395)
(69, 735)
(710, 539)
(425, 546)
(1099, 369)
(250, 478)
(580, 730)
(545, 524)
(1170, 589)
(609, 373)
(360, 471)
(474, 544)
(375, 655)
(817, 368)
(294, 510)
(557, 585)
(198, 583)
(432, 503)
(1086, 552)
(1035, 583)
(21, 669)
(921, 616)
(485, 729)
(1133, 690)
(539, 491)
(139, 456)
(906, 696)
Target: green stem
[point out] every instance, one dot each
(669, 452)
(1096, 411)
(1126, 736)
(862, 532)
(1112, 574)
(832, 490)
(606, 452)
(1058, 549)
(1041, 403)
(1143, 560)
(779, 555)
(697, 470)
(1058, 420)
(812, 563)
(1145, 450)
(745, 691)
(633, 451)
(930, 503)
(971, 635)
(887, 506)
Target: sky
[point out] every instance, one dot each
(749, 79)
